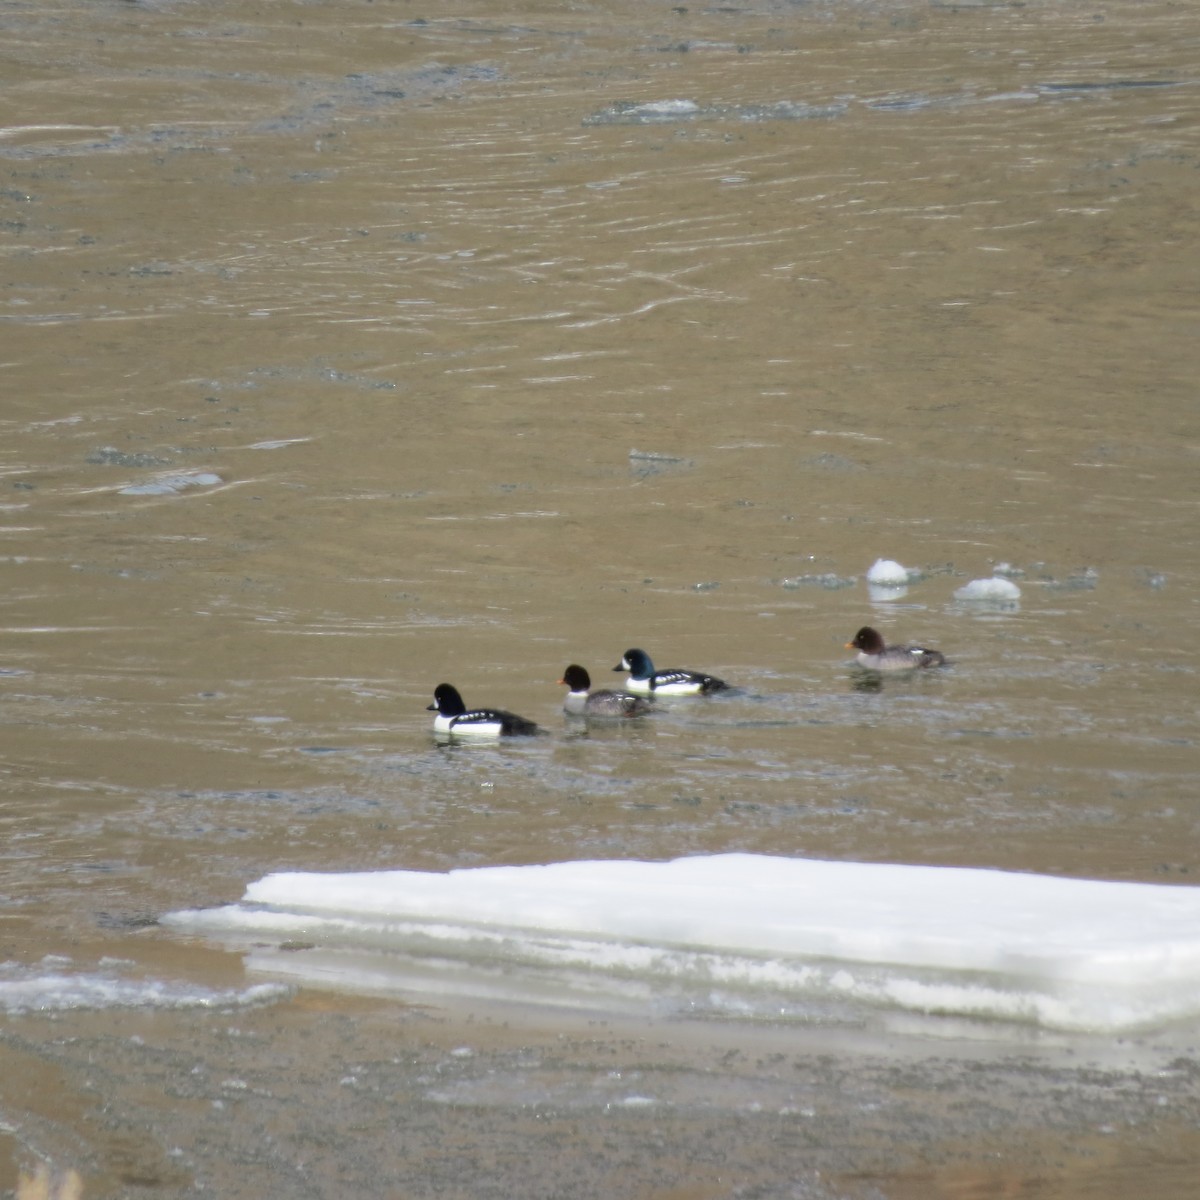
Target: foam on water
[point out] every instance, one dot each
(1063, 953)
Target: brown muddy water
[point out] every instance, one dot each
(347, 348)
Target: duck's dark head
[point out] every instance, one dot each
(576, 678)
(637, 663)
(447, 701)
(868, 640)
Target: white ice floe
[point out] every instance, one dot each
(996, 590)
(885, 572)
(1065, 953)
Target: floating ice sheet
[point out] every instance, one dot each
(55, 985)
(1065, 953)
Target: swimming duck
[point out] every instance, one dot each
(644, 680)
(454, 717)
(875, 655)
(603, 703)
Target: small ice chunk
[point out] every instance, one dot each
(650, 462)
(993, 590)
(110, 456)
(886, 573)
(668, 108)
(278, 443)
(648, 113)
(828, 580)
(172, 485)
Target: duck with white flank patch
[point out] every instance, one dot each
(604, 703)
(453, 717)
(644, 680)
(876, 655)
